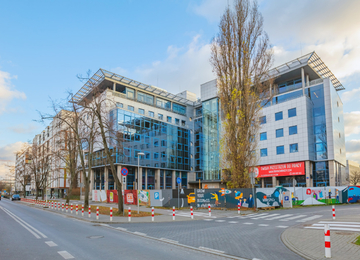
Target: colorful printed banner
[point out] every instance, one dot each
(282, 169)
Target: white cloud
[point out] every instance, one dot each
(348, 95)
(22, 129)
(7, 152)
(185, 68)
(353, 146)
(352, 123)
(7, 93)
(4, 168)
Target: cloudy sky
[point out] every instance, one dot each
(45, 44)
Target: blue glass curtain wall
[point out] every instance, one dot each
(210, 125)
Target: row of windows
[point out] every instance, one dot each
(280, 150)
(279, 116)
(279, 133)
(152, 114)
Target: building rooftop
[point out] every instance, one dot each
(102, 74)
(314, 62)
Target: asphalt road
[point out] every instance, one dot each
(252, 236)
(32, 233)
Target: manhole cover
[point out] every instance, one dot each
(95, 237)
(343, 233)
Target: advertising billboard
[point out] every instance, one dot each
(281, 169)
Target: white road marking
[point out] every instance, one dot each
(50, 243)
(295, 217)
(336, 228)
(169, 240)
(271, 215)
(263, 225)
(208, 219)
(282, 226)
(309, 218)
(281, 216)
(121, 228)
(210, 249)
(233, 222)
(24, 224)
(263, 215)
(330, 222)
(140, 234)
(220, 220)
(65, 255)
(247, 223)
(337, 225)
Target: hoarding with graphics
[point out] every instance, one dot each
(282, 169)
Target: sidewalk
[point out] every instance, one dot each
(166, 214)
(310, 243)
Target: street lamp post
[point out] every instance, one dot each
(139, 154)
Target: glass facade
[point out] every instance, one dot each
(263, 152)
(279, 132)
(292, 112)
(198, 145)
(210, 125)
(280, 149)
(278, 116)
(293, 130)
(263, 136)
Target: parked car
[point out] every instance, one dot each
(16, 197)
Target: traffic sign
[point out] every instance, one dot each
(124, 171)
(178, 180)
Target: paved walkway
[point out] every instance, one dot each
(308, 240)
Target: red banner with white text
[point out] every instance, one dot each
(282, 169)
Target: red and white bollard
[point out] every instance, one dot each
(62, 207)
(129, 214)
(239, 208)
(52, 205)
(333, 211)
(191, 212)
(152, 214)
(209, 210)
(67, 207)
(110, 213)
(71, 208)
(77, 209)
(59, 206)
(97, 212)
(82, 210)
(89, 211)
(173, 212)
(327, 241)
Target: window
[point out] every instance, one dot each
(263, 136)
(163, 103)
(141, 111)
(160, 116)
(294, 148)
(184, 122)
(177, 121)
(292, 112)
(293, 130)
(163, 143)
(263, 152)
(156, 142)
(280, 149)
(279, 132)
(179, 109)
(278, 116)
(131, 108)
(145, 98)
(151, 114)
(130, 93)
(119, 105)
(169, 119)
(262, 120)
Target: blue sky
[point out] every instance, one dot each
(45, 44)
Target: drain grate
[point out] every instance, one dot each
(95, 237)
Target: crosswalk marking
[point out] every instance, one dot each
(292, 218)
(233, 222)
(309, 218)
(271, 215)
(259, 215)
(220, 220)
(263, 225)
(338, 225)
(344, 226)
(281, 216)
(50, 243)
(328, 222)
(248, 223)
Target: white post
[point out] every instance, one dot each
(129, 214)
(152, 214)
(97, 212)
(327, 241)
(173, 212)
(209, 210)
(191, 212)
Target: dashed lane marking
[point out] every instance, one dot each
(65, 255)
(282, 226)
(233, 222)
(50, 243)
(263, 225)
(220, 220)
(247, 223)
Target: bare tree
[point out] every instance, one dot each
(241, 58)
(100, 106)
(354, 177)
(22, 171)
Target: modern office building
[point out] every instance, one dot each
(301, 137)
